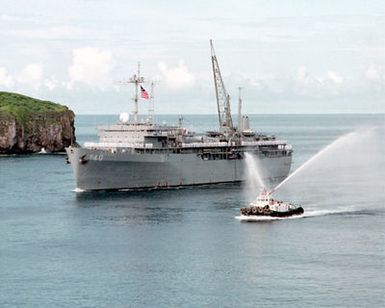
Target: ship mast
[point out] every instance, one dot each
(151, 103)
(223, 98)
(137, 80)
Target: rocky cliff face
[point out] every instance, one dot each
(52, 130)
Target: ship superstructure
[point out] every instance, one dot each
(135, 154)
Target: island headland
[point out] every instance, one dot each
(29, 125)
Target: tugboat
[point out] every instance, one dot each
(265, 205)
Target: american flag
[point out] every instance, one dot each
(143, 93)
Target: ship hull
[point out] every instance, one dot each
(104, 170)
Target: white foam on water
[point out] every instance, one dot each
(78, 190)
(317, 212)
(264, 218)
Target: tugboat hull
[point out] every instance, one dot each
(266, 211)
(297, 211)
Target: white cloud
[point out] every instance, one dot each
(47, 33)
(90, 66)
(6, 80)
(31, 75)
(51, 83)
(323, 81)
(5, 17)
(334, 77)
(302, 74)
(176, 77)
(372, 73)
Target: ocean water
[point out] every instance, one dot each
(184, 248)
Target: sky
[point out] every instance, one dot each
(297, 56)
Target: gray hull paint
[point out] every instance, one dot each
(103, 170)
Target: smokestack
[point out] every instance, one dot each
(245, 123)
(240, 111)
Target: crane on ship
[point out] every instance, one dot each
(223, 98)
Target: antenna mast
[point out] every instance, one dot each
(151, 103)
(223, 98)
(137, 80)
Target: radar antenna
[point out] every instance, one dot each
(223, 98)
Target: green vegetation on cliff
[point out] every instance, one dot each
(27, 125)
(22, 107)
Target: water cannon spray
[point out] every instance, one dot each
(316, 156)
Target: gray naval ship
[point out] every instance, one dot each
(136, 155)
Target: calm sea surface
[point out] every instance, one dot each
(184, 248)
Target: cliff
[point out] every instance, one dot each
(27, 125)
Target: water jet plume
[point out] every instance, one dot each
(254, 179)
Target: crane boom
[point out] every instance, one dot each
(223, 98)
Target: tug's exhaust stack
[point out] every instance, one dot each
(245, 123)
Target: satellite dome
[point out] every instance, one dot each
(124, 117)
